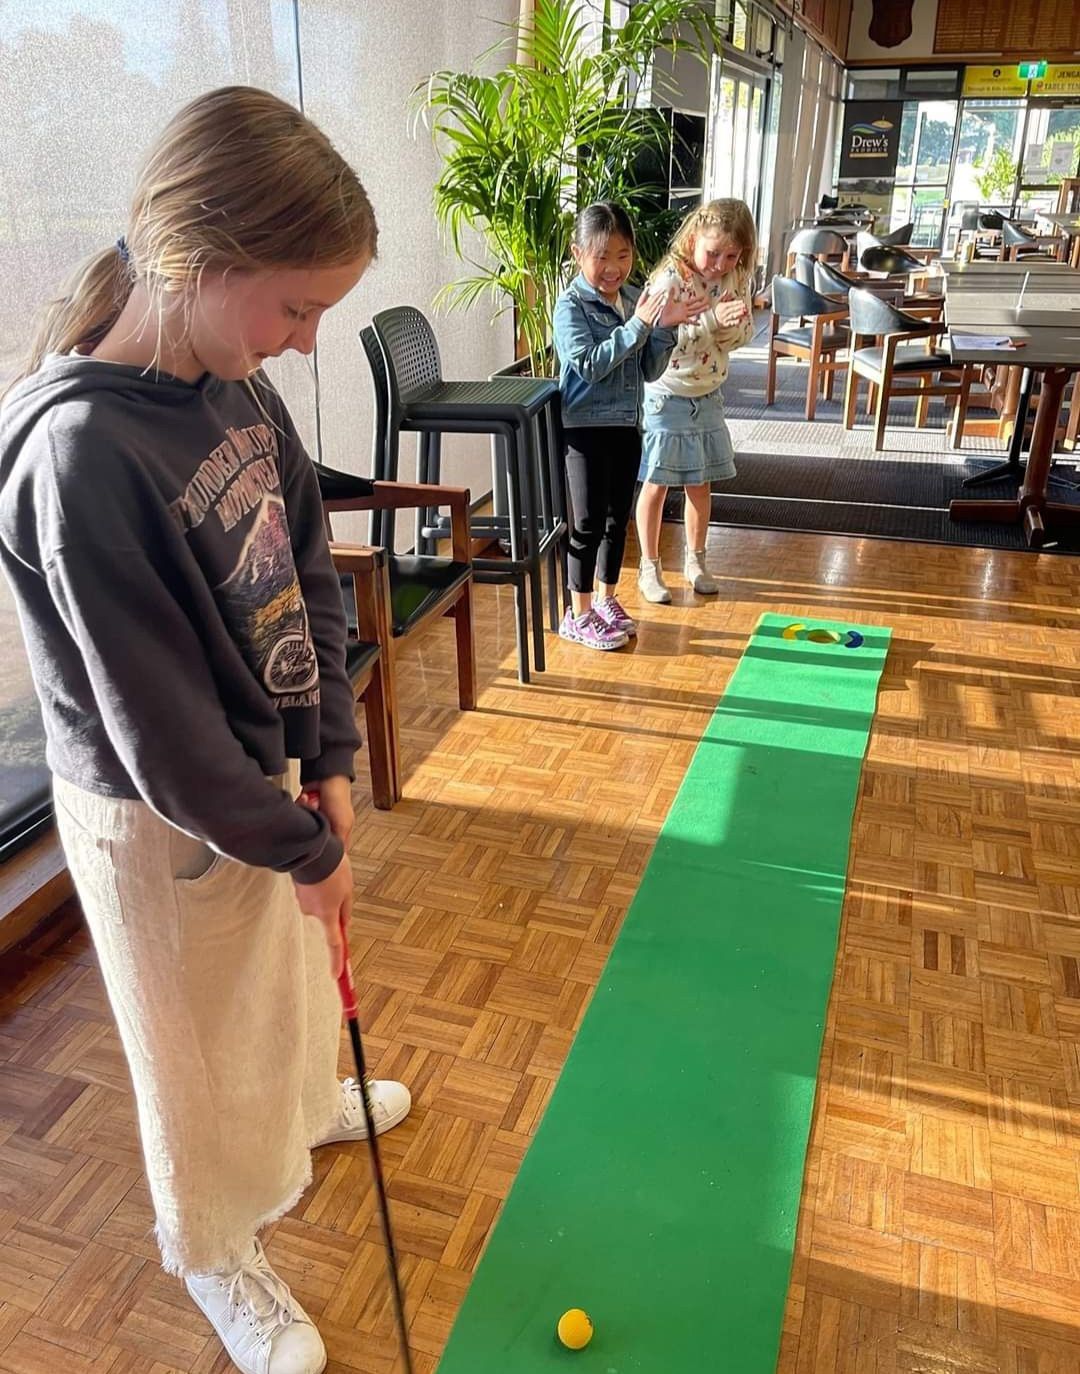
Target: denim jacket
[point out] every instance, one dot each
(604, 361)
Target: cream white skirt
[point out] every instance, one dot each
(228, 1015)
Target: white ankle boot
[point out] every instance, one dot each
(261, 1325)
(651, 583)
(698, 575)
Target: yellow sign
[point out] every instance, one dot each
(1061, 79)
(996, 82)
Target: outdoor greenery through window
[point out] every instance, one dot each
(922, 170)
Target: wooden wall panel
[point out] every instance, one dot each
(1030, 28)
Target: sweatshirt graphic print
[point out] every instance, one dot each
(260, 599)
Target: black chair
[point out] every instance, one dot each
(898, 238)
(851, 212)
(1018, 242)
(890, 261)
(420, 587)
(816, 243)
(804, 269)
(827, 203)
(366, 591)
(974, 226)
(524, 413)
(901, 353)
(26, 810)
(817, 342)
(829, 282)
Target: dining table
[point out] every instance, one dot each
(1007, 314)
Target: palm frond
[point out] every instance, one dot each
(524, 146)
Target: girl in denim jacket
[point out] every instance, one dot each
(610, 338)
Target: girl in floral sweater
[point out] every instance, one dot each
(685, 440)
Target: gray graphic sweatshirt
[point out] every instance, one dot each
(165, 544)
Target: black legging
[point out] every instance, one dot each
(601, 469)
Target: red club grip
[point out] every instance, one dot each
(346, 986)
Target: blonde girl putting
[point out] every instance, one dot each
(161, 527)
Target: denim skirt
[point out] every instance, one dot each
(685, 440)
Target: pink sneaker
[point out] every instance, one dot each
(612, 612)
(591, 631)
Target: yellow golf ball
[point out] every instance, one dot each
(575, 1329)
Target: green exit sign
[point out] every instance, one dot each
(1031, 71)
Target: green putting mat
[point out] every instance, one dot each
(662, 1189)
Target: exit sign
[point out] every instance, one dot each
(1031, 71)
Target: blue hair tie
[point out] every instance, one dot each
(123, 250)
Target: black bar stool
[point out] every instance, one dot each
(524, 414)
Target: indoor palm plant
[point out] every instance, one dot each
(555, 127)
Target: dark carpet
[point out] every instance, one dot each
(875, 497)
(820, 478)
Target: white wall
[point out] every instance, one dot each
(360, 62)
(85, 84)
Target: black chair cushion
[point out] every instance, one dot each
(418, 584)
(359, 656)
(832, 338)
(910, 357)
(25, 781)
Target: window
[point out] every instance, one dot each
(922, 168)
(875, 85)
(916, 83)
(987, 153)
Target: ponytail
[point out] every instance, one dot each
(87, 308)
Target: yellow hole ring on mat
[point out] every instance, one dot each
(817, 634)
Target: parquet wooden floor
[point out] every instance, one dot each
(940, 1223)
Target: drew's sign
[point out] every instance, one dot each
(871, 138)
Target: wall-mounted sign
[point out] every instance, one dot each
(994, 82)
(1062, 78)
(871, 139)
(1028, 71)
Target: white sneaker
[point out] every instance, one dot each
(261, 1325)
(651, 583)
(390, 1103)
(698, 575)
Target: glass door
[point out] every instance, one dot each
(738, 137)
(1051, 153)
(987, 154)
(922, 169)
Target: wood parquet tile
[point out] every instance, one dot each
(940, 1220)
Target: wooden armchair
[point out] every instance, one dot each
(421, 586)
(364, 578)
(900, 345)
(807, 326)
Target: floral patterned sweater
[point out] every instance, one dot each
(699, 360)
